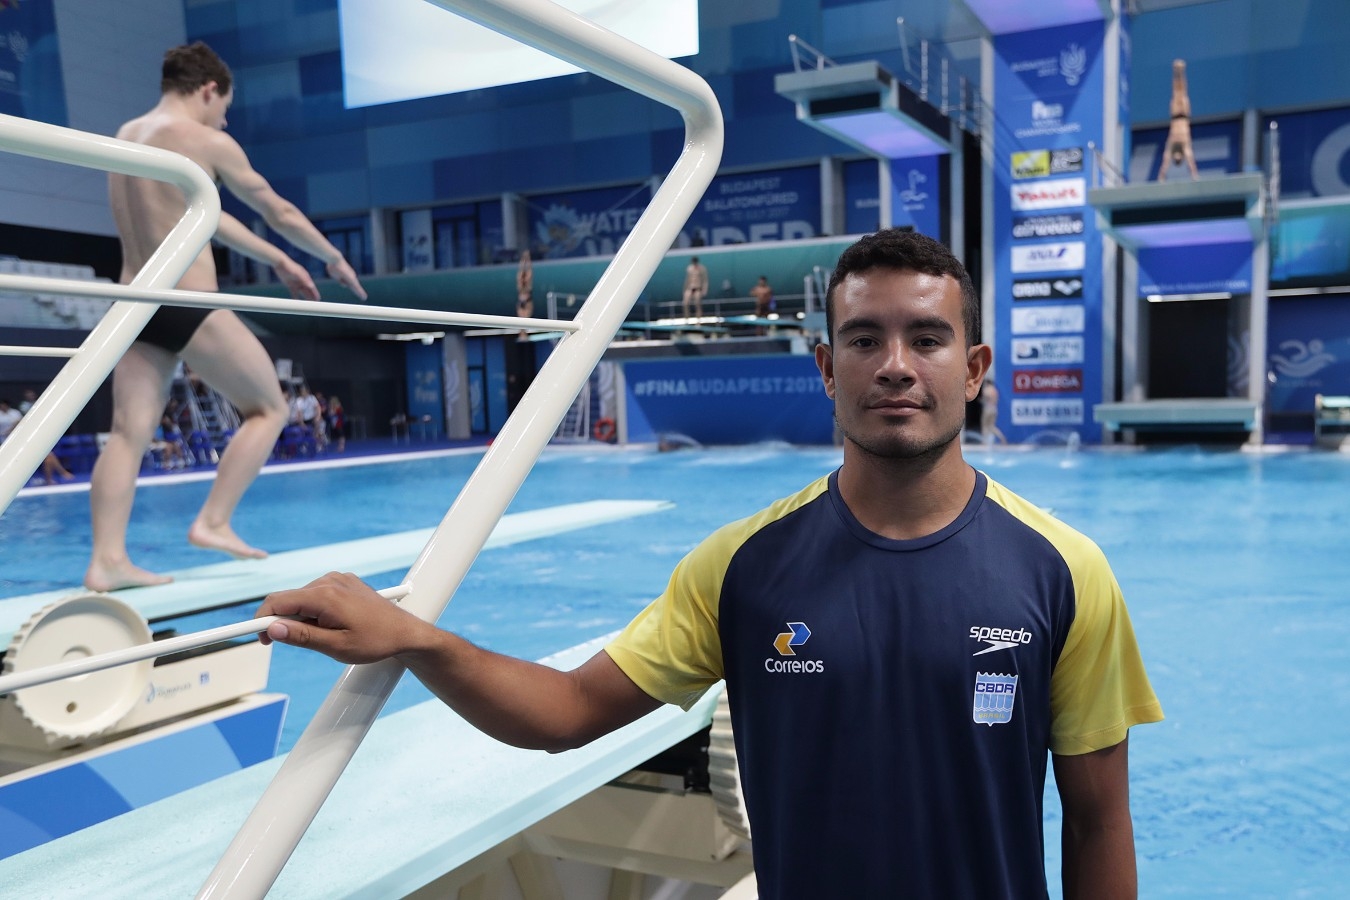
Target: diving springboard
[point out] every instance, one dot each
(425, 794)
(222, 584)
(1200, 413)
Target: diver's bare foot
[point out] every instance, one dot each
(223, 539)
(116, 576)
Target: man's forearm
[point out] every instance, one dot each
(1099, 863)
(292, 224)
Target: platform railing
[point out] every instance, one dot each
(265, 842)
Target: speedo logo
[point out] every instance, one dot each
(797, 635)
(998, 638)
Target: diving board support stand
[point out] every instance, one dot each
(1230, 209)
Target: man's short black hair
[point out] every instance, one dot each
(897, 248)
(189, 67)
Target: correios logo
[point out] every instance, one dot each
(785, 643)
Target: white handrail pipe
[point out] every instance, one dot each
(18, 681)
(255, 858)
(38, 431)
(282, 305)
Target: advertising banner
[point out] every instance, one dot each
(1309, 351)
(425, 392)
(584, 223)
(1049, 90)
(774, 205)
(916, 195)
(733, 400)
(31, 85)
(1196, 269)
(1314, 152)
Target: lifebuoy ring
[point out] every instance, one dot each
(604, 430)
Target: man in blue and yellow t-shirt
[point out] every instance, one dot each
(904, 641)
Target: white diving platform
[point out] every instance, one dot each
(427, 799)
(223, 584)
(1196, 414)
(1182, 212)
(865, 106)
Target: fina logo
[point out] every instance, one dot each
(1072, 64)
(994, 698)
(1303, 359)
(1046, 112)
(797, 635)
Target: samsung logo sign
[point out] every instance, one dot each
(1060, 225)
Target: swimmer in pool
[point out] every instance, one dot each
(190, 119)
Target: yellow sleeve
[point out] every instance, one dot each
(673, 649)
(1099, 688)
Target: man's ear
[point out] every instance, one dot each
(825, 362)
(978, 360)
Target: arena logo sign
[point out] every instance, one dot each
(1058, 225)
(1047, 289)
(1052, 194)
(1048, 381)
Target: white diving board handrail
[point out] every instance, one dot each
(268, 838)
(111, 660)
(38, 431)
(255, 858)
(216, 300)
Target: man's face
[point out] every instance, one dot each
(898, 370)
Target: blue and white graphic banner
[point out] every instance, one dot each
(1049, 93)
(584, 223)
(733, 400)
(774, 205)
(31, 85)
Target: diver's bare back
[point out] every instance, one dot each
(145, 210)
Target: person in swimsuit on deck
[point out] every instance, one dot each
(189, 119)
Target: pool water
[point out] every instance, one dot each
(1235, 567)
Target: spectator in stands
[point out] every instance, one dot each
(763, 295)
(990, 433)
(168, 443)
(337, 422)
(196, 92)
(308, 412)
(695, 287)
(29, 398)
(524, 290)
(9, 417)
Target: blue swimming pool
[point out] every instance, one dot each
(1234, 566)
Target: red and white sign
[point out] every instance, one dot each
(1054, 193)
(1048, 381)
